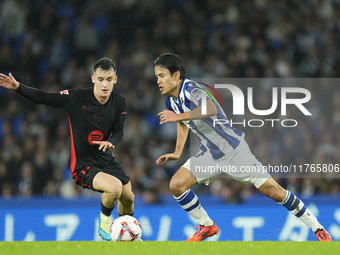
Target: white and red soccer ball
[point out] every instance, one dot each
(125, 229)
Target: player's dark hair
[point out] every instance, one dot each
(172, 62)
(105, 64)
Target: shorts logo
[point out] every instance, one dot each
(64, 92)
(95, 135)
(89, 172)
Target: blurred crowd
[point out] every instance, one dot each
(52, 45)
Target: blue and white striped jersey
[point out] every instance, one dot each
(217, 139)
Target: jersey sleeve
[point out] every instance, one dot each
(61, 99)
(194, 95)
(118, 127)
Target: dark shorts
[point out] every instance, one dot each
(85, 175)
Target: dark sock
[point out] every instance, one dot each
(106, 211)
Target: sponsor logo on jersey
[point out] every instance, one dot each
(96, 135)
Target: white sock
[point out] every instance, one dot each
(190, 203)
(298, 208)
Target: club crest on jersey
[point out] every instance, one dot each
(64, 92)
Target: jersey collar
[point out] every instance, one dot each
(180, 88)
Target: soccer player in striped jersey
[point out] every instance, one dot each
(219, 144)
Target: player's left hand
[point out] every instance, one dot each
(8, 82)
(167, 116)
(104, 145)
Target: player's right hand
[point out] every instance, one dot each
(8, 82)
(166, 157)
(104, 145)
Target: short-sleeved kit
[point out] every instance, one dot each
(222, 147)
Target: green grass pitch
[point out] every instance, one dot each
(165, 248)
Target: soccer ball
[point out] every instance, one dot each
(125, 229)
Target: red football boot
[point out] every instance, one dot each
(322, 235)
(203, 232)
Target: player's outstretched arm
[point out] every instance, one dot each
(166, 157)
(35, 95)
(182, 135)
(8, 82)
(169, 116)
(197, 112)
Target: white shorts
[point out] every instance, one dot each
(241, 165)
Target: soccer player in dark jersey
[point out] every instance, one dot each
(96, 117)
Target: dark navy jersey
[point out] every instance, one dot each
(89, 121)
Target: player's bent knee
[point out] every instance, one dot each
(115, 190)
(177, 187)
